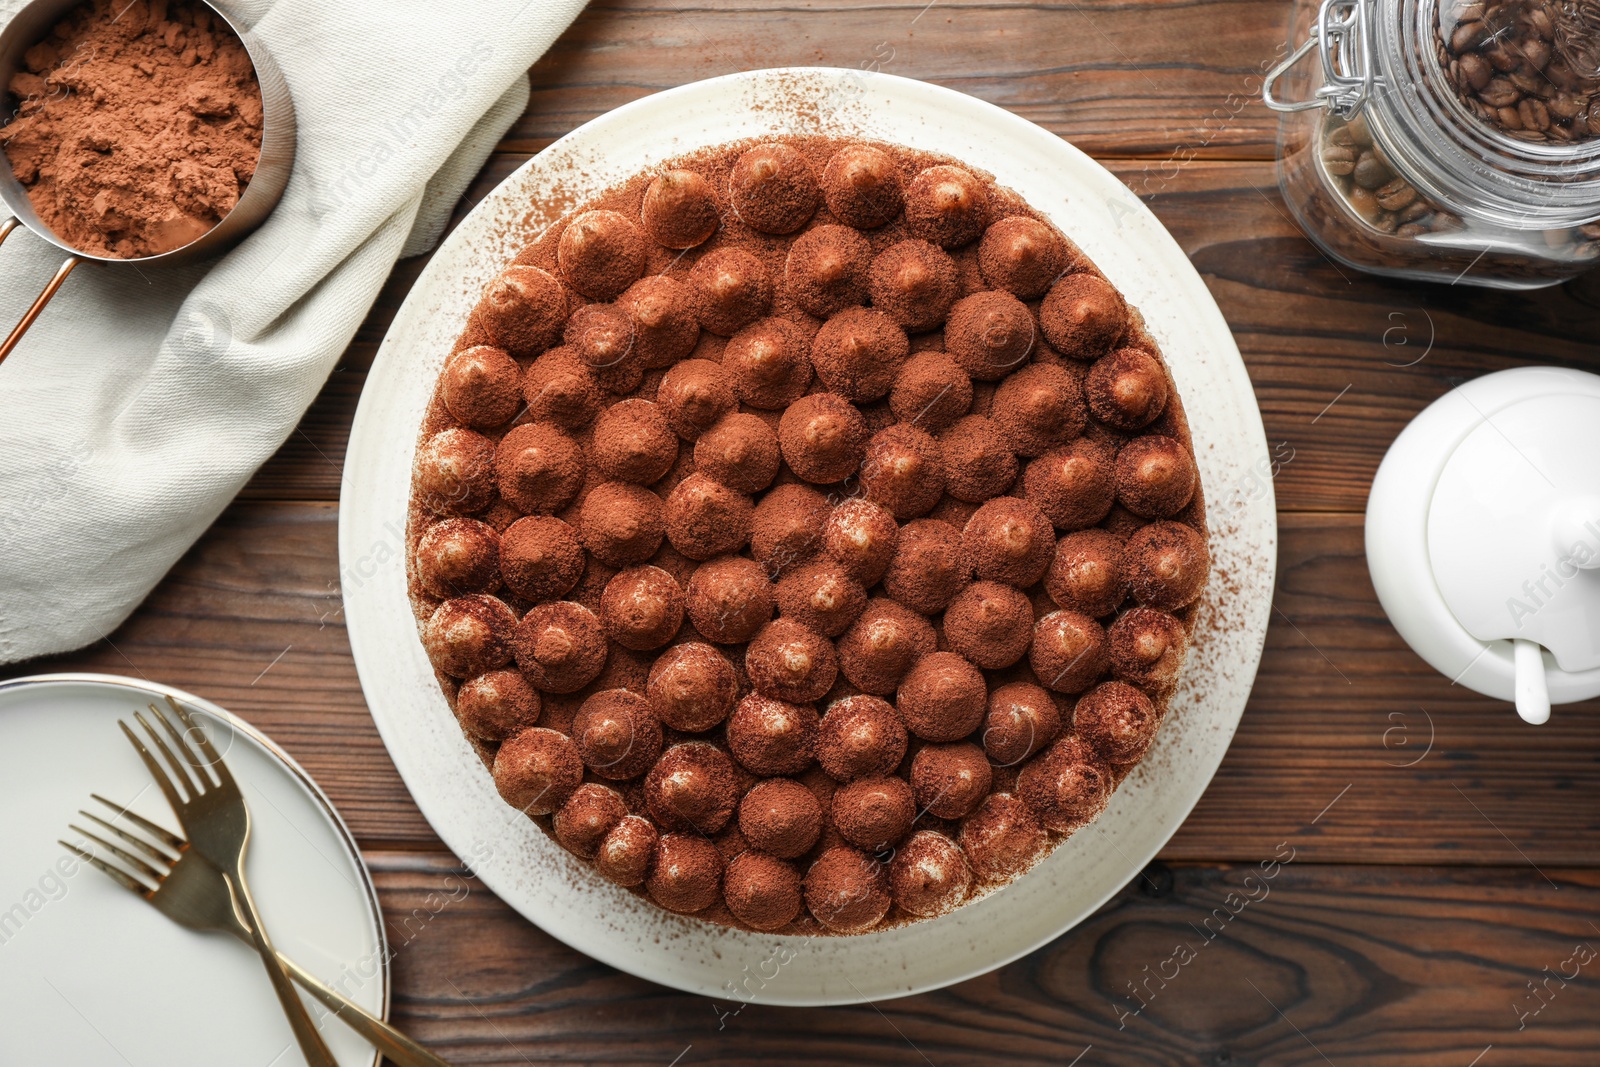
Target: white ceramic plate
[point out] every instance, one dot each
(565, 897)
(91, 974)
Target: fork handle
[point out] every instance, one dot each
(312, 1046)
(400, 1049)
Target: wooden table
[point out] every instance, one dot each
(1444, 873)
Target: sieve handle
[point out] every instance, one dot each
(38, 305)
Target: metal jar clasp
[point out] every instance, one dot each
(1343, 31)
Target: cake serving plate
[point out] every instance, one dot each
(565, 896)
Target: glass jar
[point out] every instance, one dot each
(1446, 140)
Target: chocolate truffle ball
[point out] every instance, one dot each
(740, 451)
(538, 468)
(860, 736)
(679, 209)
(497, 704)
(633, 443)
(821, 595)
(1002, 838)
(469, 635)
(694, 396)
(949, 781)
(989, 334)
(787, 528)
(782, 817)
(686, 875)
(926, 571)
(1126, 390)
(587, 817)
(601, 253)
(1008, 540)
(1022, 256)
(929, 875)
(947, 205)
(915, 284)
(978, 463)
(1066, 786)
(858, 352)
(692, 687)
(772, 736)
(880, 647)
(625, 854)
(621, 524)
(731, 290)
(641, 608)
(617, 734)
(1069, 651)
(847, 891)
(861, 536)
(942, 697)
(540, 558)
(903, 471)
(762, 891)
(459, 556)
(861, 185)
(1147, 648)
(664, 327)
(1118, 720)
(560, 646)
(826, 270)
(1087, 573)
(560, 388)
(537, 770)
(522, 311)
(931, 392)
(791, 662)
(1155, 476)
(1083, 316)
(823, 438)
(1167, 565)
(692, 787)
(1022, 719)
(481, 386)
(990, 623)
(873, 813)
(705, 518)
(773, 189)
(1039, 408)
(729, 599)
(602, 336)
(455, 472)
(1074, 486)
(766, 364)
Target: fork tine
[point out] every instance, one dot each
(182, 743)
(177, 767)
(155, 830)
(121, 877)
(203, 740)
(156, 770)
(137, 842)
(139, 865)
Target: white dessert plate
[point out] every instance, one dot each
(89, 973)
(564, 896)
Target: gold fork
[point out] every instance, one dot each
(217, 821)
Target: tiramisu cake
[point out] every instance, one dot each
(807, 535)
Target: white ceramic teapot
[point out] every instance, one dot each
(1483, 536)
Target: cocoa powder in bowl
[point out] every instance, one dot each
(137, 128)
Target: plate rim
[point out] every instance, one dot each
(277, 752)
(1229, 367)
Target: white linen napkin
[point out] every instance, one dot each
(143, 399)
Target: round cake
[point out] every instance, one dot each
(807, 535)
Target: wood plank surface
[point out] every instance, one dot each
(1276, 961)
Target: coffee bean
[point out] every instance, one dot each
(1499, 93)
(1536, 53)
(1529, 81)
(1475, 70)
(1396, 195)
(1509, 119)
(1501, 57)
(1539, 19)
(1385, 223)
(1339, 159)
(1363, 203)
(1369, 173)
(1468, 36)
(1416, 211)
(1565, 106)
(1533, 114)
(1410, 229)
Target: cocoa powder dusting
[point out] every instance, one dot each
(137, 126)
